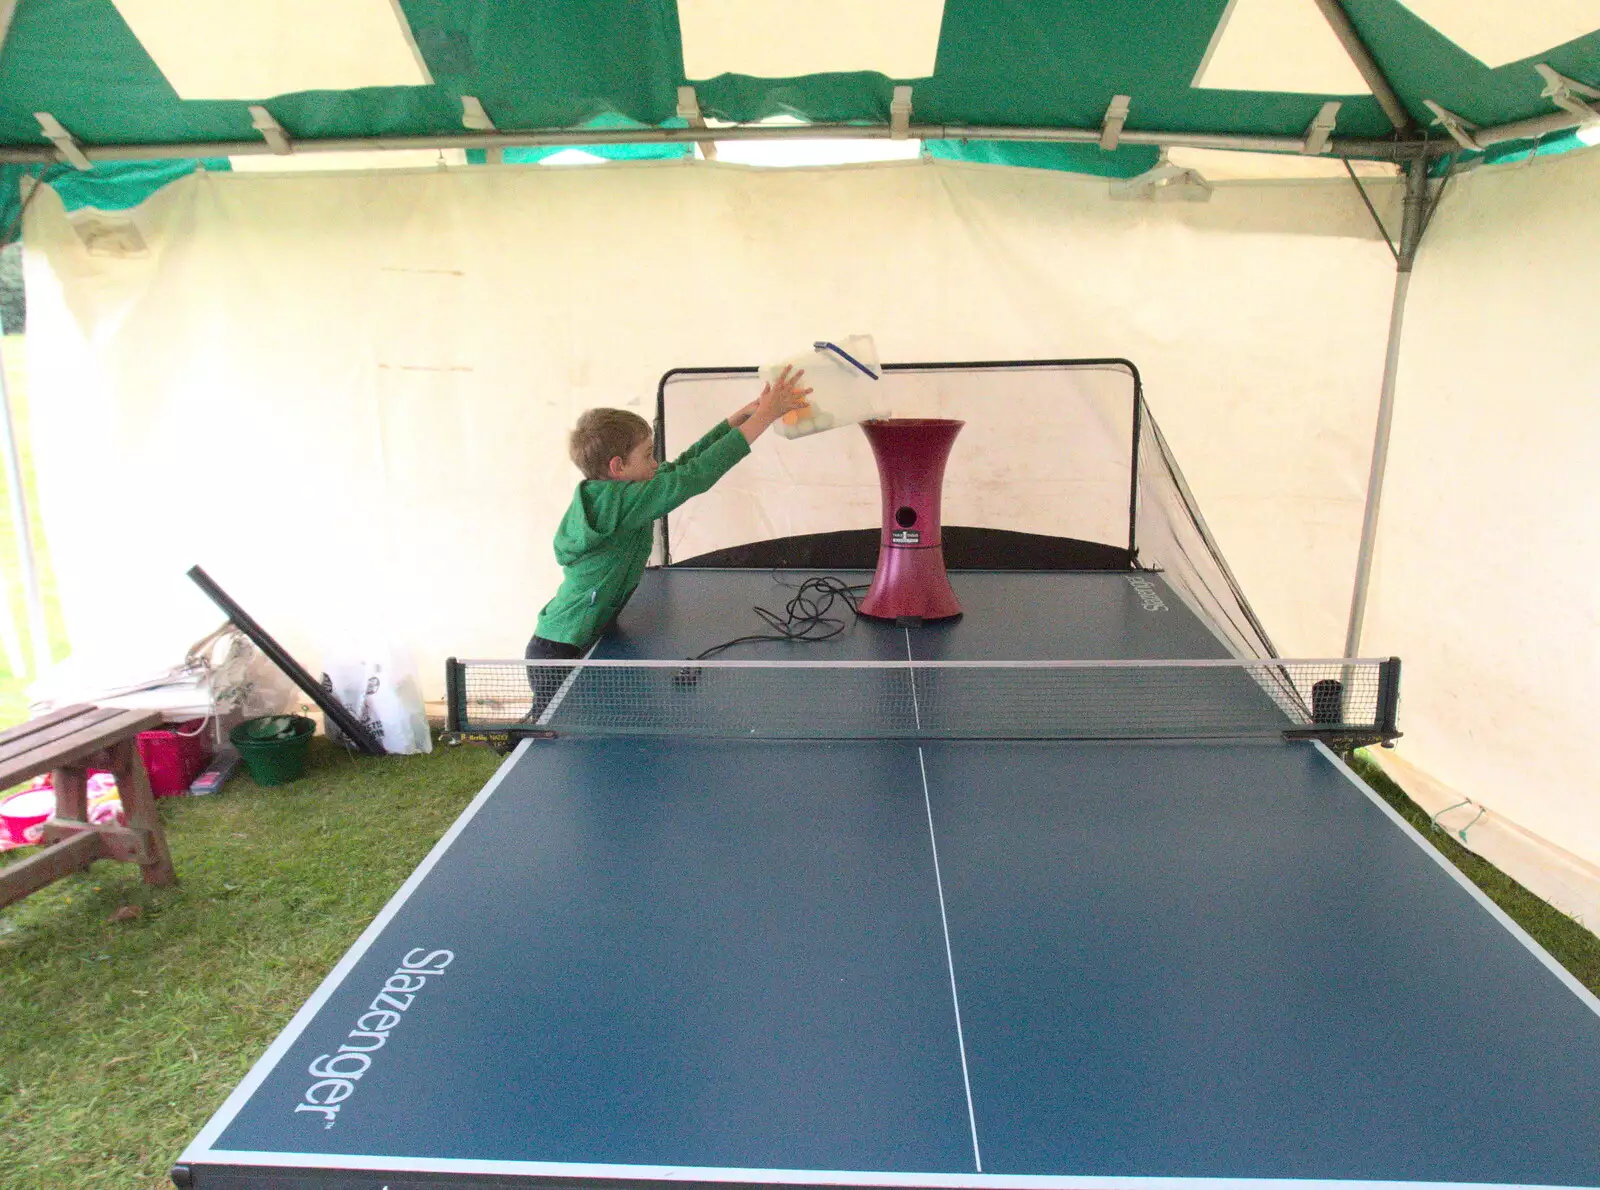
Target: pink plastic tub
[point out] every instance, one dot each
(22, 815)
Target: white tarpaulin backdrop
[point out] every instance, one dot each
(347, 397)
(1487, 577)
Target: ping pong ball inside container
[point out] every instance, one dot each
(800, 422)
(813, 419)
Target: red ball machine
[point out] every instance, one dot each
(910, 583)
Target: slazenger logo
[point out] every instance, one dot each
(338, 1073)
(1146, 590)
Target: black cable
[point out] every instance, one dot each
(808, 616)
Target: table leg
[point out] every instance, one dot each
(72, 793)
(133, 788)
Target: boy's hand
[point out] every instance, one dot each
(740, 416)
(783, 395)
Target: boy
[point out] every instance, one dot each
(605, 538)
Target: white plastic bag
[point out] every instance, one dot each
(844, 378)
(385, 699)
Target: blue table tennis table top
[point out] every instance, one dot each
(926, 963)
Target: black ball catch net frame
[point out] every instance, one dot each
(1060, 466)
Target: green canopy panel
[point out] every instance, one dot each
(1127, 162)
(109, 186)
(541, 66)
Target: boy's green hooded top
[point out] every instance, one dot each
(604, 540)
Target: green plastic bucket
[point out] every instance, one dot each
(273, 747)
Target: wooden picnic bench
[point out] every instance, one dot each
(68, 743)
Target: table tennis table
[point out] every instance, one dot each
(830, 956)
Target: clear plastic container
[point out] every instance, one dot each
(843, 376)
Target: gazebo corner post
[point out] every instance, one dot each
(1411, 228)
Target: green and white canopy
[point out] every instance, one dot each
(1096, 88)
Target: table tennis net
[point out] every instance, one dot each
(1351, 699)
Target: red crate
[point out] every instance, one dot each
(175, 755)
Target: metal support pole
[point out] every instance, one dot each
(1376, 150)
(39, 634)
(1410, 237)
(1339, 20)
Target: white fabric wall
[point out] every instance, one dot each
(1487, 575)
(347, 396)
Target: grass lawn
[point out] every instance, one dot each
(119, 1039)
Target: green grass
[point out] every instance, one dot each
(119, 1039)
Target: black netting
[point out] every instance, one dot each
(1171, 535)
(923, 700)
(1043, 472)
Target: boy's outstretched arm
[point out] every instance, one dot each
(690, 475)
(734, 421)
(737, 420)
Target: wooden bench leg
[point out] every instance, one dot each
(133, 787)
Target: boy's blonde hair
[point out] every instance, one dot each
(602, 435)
